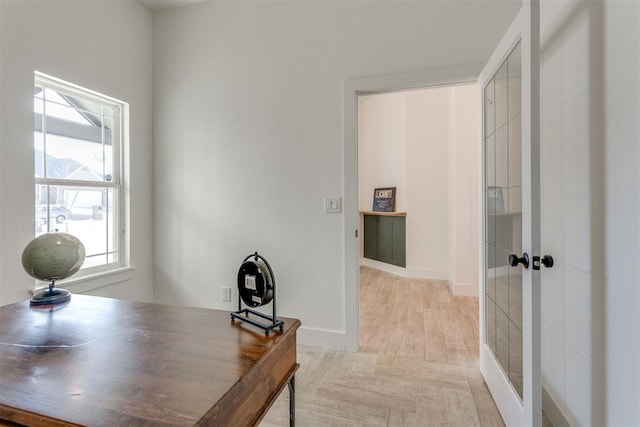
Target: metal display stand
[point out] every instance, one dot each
(243, 314)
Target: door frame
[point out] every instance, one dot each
(433, 77)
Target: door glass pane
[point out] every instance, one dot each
(503, 217)
(501, 96)
(489, 108)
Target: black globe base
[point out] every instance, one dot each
(51, 297)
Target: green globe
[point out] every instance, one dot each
(53, 256)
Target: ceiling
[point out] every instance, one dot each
(154, 5)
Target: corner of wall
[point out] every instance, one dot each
(552, 410)
(463, 289)
(333, 340)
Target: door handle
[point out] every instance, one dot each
(546, 260)
(514, 260)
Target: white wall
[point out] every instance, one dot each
(382, 147)
(102, 45)
(427, 176)
(248, 123)
(463, 183)
(620, 190)
(590, 211)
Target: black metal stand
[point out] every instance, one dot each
(243, 313)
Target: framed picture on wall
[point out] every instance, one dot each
(384, 199)
(495, 202)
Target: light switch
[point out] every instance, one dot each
(332, 205)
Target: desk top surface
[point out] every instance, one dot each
(100, 359)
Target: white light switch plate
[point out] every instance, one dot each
(332, 204)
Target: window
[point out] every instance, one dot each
(78, 139)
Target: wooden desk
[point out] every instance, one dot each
(107, 362)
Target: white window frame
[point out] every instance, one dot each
(116, 271)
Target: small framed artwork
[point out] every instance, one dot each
(384, 199)
(495, 202)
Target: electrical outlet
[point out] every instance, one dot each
(226, 294)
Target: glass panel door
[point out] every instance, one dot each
(503, 204)
(510, 290)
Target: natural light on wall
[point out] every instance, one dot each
(78, 174)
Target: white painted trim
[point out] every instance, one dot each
(423, 273)
(383, 266)
(553, 411)
(445, 76)
(91, 282)
(463, 289)
(509, 404)
(332, 340)
(412, 273)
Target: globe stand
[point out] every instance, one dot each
(52, 257)
(51, 296)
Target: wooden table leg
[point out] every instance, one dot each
(292, 401)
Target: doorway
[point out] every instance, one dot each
(353, 89)
(423, 143)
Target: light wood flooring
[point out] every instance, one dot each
(417, 364)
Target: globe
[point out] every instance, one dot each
(51, 257)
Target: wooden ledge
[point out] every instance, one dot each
(383, 213)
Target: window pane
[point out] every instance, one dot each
(89, 213)
(83, 105)
(50, 212)
(70, 140)
(38, 91)
(76, 159)
(57, 106)
(38, 152)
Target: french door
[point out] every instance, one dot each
(510, 358)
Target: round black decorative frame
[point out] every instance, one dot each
(256, 267)
(257, 291)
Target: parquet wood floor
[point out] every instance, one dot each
(417, 364)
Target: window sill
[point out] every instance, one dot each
(91, 282)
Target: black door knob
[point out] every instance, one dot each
(514, 260)
(546, 260)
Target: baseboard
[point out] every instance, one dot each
(463, 289)
(553, 411)
(423, 273)
(331, 340)
(382, 266)
(416, 273)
